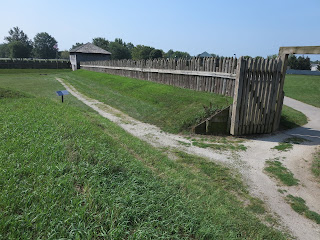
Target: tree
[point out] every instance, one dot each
(4, 50)
(274, 56)
(176, 54)
(119, 51)
(318, 67)
(64, 54)
(101, 42)
(23, 48)
(76, 45)
(45, 46)
(304, 63)
(156, 53)
(141, 52)
(300, 63)
(18, 50)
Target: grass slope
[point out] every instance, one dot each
(291, 118)
(172, 109)
(303, 88)
(69, 173)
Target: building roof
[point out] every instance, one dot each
(89, 48)
(205, 54)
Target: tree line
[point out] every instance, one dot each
(18, 45)
(44, 46)
(123, 50)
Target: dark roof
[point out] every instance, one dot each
(89, 48)
(205, 54)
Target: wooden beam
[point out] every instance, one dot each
(170, 71)
(299, 50)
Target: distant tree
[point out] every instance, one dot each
(318, 67)
(300, 63)
(214, 55)
(247, 57)
(119, 51)
(64, 54)
(18, 50)
(304, 63)
(292, 62)
(23, 48)
(156, 53)
(141, 52)
(130, 46)
(258, 57)
(101, 42)
(4, 50)
(176, 54)
(76, 45)
(45, 46)
(274, 56)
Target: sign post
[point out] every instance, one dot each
(62, 93)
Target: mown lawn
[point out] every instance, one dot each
(303, 88)
(66, 172)
(170, 108)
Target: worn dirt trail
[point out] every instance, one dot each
(250, 163)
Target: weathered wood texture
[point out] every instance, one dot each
(299, 50)
(200, 74)
(258, 96)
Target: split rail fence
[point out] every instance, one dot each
(256, 85)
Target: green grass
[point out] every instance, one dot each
(277, 170)
(222, 146)
(303, 88)
(283, 146)
(316, 165)
(66, 172)
(291, 118)
(298, 204)
(33, 71)
(287, 143)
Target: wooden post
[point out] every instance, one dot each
(234, 129)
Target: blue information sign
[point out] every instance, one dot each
(62, 93)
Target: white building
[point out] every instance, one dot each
(314, 67)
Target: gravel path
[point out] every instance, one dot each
(250, 163)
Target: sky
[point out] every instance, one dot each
(241, 27)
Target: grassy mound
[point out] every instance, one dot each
(171, 108)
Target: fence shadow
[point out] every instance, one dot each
(312, 136)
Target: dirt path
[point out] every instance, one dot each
(250, 163)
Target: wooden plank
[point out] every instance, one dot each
(255, 110)
(284, 62)
(274, 93)
(299, 50)
(251, 95)
(246, 97)
(266, 99)
(234, 128)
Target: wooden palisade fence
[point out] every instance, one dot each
(256, 85)
(258, 96)
(201, 74)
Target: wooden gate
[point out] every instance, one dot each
(258, 96)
